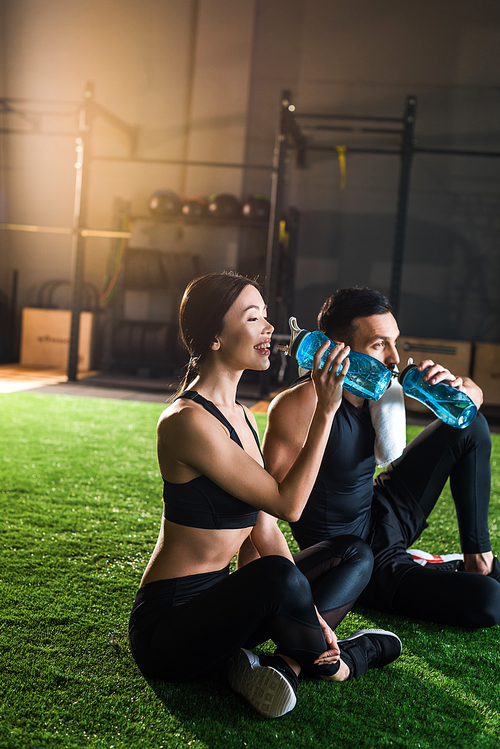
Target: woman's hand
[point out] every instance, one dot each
(328, 384)
(331, 655)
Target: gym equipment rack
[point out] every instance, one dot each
(87, 111)
(280, 256)
(290, 134)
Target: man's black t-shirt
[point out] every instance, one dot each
(340, 502)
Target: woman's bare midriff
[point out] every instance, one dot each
(182, 551)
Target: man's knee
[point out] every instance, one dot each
(485, 610)
(352, 549)
(479, 430)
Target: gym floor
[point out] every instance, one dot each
(15, 378)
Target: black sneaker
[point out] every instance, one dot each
(369, 648)
(267, 682)
(495, 572)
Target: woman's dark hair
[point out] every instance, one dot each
(342, 308)
(204, 305)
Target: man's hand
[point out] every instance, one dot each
(333, 654)
(436, 373)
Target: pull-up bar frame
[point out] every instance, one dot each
(290, 135)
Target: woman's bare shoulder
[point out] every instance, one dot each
(183, 415)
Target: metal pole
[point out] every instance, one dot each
(276, 211)
(275, 214)
(12, 341)
(404, 189)
(79, 222)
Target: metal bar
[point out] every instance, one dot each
(12, 317)
(105, 233)
(65, 230)
(360, 118)
(275, 215)
(427, 347)
(189, 91)
(79, 220)
(291, 129)
(183, 162)
(277, 195)
(40, 101)
(333, 149)
(403, 195)
(456, 152)
(10, 131)
(38, 229)
(347, 129)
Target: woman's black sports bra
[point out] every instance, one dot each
(200, 503)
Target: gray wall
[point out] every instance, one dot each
(138, 55)
(362, 58)
(341, 56)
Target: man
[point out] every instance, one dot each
(390, 512)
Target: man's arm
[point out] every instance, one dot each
(288, 420)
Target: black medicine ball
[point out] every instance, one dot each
(256, 207)
(165, 203)
(224, 205)
(195, 207)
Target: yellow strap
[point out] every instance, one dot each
(284, 235)
(341, 150)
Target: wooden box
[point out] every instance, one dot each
(45, 338)
(453, 355)
(486, 372)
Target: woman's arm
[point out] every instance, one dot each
(190, 438)
(265, 539)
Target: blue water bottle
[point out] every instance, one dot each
(448, 404)
(366, 378)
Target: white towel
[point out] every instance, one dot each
(388, 416)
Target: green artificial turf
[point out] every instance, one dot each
(80, 501)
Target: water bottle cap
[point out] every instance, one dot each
(296, 341)
(405, 371)
(296, 336)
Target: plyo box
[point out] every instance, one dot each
(45, 338)
(486, 372)
(453, 355)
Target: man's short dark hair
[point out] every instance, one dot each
(338, 312)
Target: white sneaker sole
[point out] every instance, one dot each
(362, 632)
(266, 689)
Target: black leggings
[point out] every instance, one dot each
(439, 452)
(270, 598)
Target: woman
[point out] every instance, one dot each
(190, 616)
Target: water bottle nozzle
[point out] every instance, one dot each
(294, 331)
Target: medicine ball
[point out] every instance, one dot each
(165, 203)
(256, 207)
(224, 205)
(195, 207)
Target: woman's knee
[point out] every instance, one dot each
(279, 576)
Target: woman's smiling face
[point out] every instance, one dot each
(245, 340)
